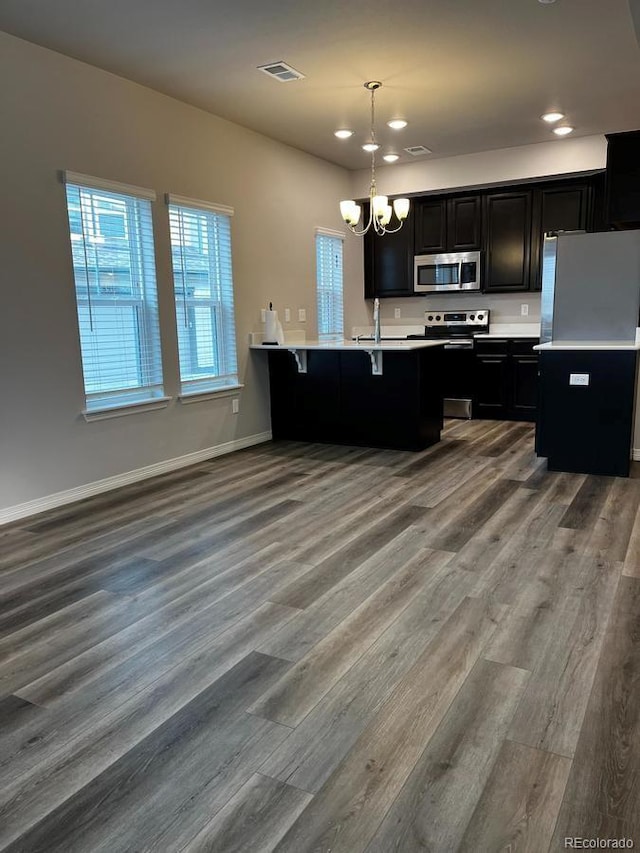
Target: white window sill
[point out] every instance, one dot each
(213, 394)
(127, 409)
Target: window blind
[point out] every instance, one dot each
(203, 288)
(329, 286)
(116, 294)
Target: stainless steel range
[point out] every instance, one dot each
(458, 327)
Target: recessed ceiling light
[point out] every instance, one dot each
(370, 146)
(343, 134)
(546, 2)
(551, 117)
(391, 158)
(563, 131)
(397, 123)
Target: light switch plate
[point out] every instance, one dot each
(397, 313)
(302, 315)
(524, 309)
(287, 315)
(235, 405)
(578, 379)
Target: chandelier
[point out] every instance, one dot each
(380, 211)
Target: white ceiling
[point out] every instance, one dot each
(469, 75)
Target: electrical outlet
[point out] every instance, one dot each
(578, 379)
(302, 315)
(397, 313)
(287, 315)
(235, 405)
(263, 315)
(524, 309)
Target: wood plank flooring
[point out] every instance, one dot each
(316, 649)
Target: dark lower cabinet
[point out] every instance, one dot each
(506, 379)
(524, 387)
(340, 400)
(587, 429)
(492, 387)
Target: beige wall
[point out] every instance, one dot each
(58, 113)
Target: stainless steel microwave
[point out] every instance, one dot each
(448, 272)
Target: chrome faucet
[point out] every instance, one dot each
(376, 321)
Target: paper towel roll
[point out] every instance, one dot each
(271, 327)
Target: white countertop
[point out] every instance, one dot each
(365, 346)
(588, 345)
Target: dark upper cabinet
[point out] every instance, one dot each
(447, 224)
(464, 224)
(564, 207)
(430, 226)
(388, 260)
(507, 225)
(622, 194)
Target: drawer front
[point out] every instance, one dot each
(493, 346)
(524, 346)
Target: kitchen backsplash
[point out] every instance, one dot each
(506, 308)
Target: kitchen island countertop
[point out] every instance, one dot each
(336, 346)
(588, 345)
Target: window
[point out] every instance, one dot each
(203, 288)
(329, 284)
(116, 295)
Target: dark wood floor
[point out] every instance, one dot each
(317, 648)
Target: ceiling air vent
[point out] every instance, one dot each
(281, 71)
(417, 150)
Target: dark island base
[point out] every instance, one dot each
(339, 401)
(587, 429)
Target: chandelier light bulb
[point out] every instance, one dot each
(379, 204)
(401, 208)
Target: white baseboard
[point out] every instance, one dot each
(13, 513)
(636, 454)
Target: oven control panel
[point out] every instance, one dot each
(466, 319)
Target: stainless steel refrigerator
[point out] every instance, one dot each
(590, 286)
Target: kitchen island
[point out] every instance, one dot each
(587, 405)
(355, 392)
